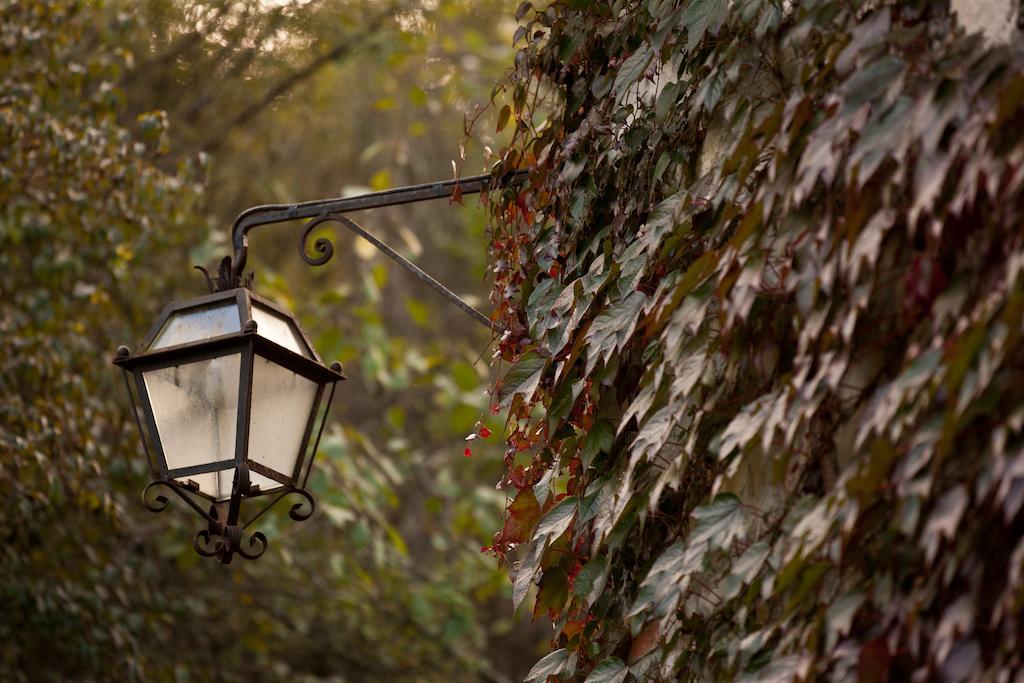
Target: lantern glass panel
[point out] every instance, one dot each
(218, 484)
(278, 329)
(282, 402)
(195, 407)
(195, 324)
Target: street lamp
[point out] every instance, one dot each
(228, 392)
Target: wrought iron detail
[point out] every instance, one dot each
(160, 502)
(296, 511)
(226, 278)
(323, 246)
(225, 538)
(225, 542)
(322, 210)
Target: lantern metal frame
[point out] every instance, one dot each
(226, 534)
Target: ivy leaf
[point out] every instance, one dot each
(667, 579)
(591, 578)
(700, 17)
(557, 520)
(523, 514)
(555, 664)
(745, 569)
(525, 571)
(503, 117)
(591, 504)
(868, 84)
(782, 670)
(840, 616)
(552, 592)
(611, 670)
(655, 433)
(563, 402)
(613, 327)
(944, 519)
(720, 522)
(598, 440)
(523, 378)
(538, 309)
(632, 69)
(663, 217)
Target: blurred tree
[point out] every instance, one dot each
(115, 114)
(80, 204)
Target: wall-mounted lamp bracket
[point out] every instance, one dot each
(232, 271)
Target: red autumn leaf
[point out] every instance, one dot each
(523, 514)
(468, 452)
(520, 477)
(485, 432)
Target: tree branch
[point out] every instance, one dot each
(287, 83)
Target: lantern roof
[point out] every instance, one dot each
(225, 313)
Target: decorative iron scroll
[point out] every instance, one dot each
(225, 538)
(323, 246)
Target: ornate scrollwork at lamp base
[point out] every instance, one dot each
(225, 538)
(223, 542)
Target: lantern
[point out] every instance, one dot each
(228, 394)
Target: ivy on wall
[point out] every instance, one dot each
(763, 301)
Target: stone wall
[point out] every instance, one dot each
(996, 19)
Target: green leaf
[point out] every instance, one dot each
(591, 504)
(558, 518)
(525, 571)
(840, 614)
(613, 327)
(869, 83)
(563, 402)
(611, 670)
(719, 523)
(667, 579)
(632, 69)
(523, 378)
(591, 578)
(538, 309)
(745, 569)
(700, 17)
(598, 440)
(555, 663)
(552, 592)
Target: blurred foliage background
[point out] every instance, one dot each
(132, 134)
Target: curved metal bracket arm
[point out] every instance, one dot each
(323, 210)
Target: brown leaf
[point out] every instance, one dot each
(643, 644)
(523, 514)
